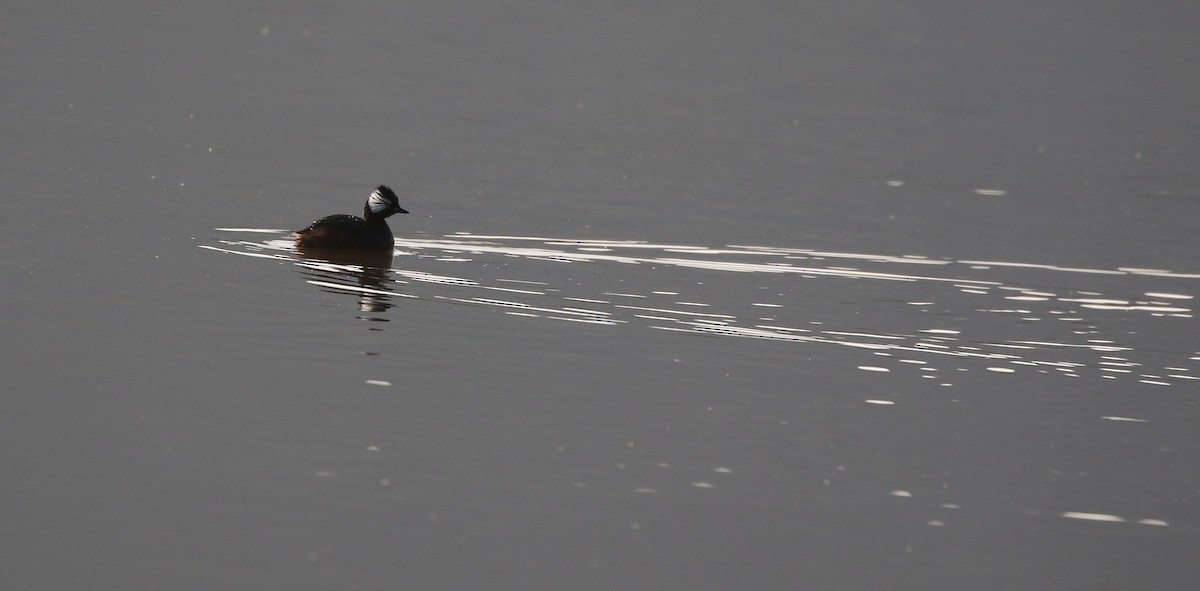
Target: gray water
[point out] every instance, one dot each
(697, 295)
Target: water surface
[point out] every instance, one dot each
(828, 295)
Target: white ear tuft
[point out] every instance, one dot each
(377, 202)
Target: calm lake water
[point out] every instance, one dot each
(694, 295)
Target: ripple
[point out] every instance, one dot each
(934, 314)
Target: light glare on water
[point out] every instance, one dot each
(981, 332)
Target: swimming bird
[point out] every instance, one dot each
(349, 232)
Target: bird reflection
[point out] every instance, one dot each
(369, 270)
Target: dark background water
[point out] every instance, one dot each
(176, 417)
